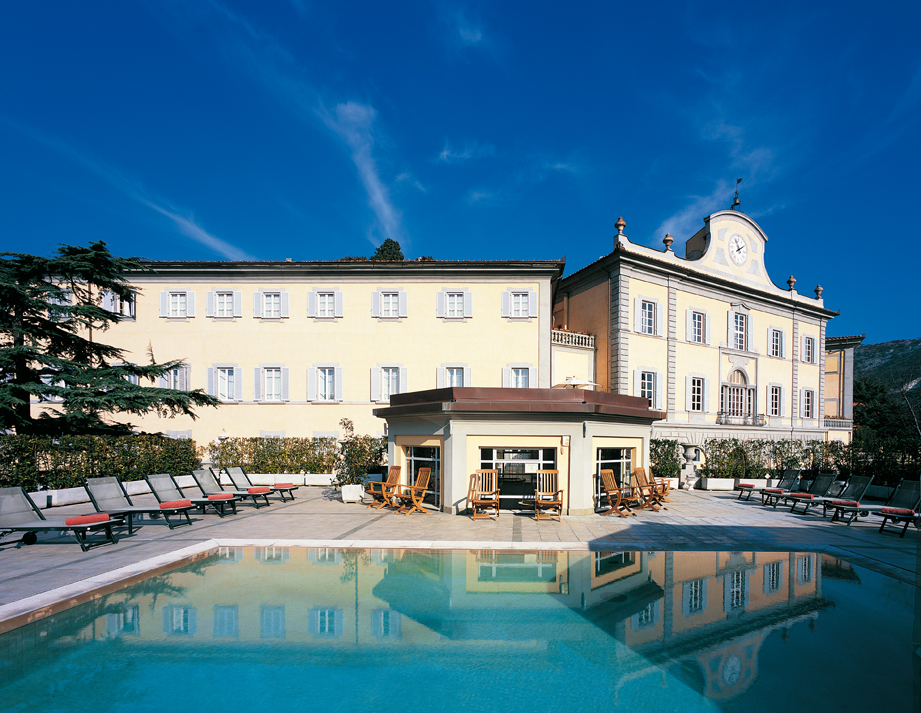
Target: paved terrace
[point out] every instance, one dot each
(55, 568)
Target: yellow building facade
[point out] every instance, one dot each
(291, 348)
(707, 338)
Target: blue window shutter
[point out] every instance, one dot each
(637, 315)
(338, 374)
(190, 304)
(209, 304)
(468, 376)
(440, 377)
(687, 393)
(237, 303)
(284, 304)
(658, 399)
(311, 383)
(783, 345)
(257, 384)
(212, 386)
(193, 621)
(706, 395)
(339, 305)
(506, 300)
(312, 304)
(376, 303)
(164, 304)
(257, 304)
(707, 328)
(532, 303)
(468, 304)
(404, 304)
(637, 376)
(440, 305)
(285, 384)
(404, 380)
(108, 301)
(506, 378)
(730, 330)
(375, 383)
(163, 382)
(750, 328)
(660, 320)
(689, 326)
(783, 400)
(238, 384)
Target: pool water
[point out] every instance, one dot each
(399, 630)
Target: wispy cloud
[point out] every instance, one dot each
(689, 219)
(407, 177)
(354, 123)
(470, 150)
(132, 188)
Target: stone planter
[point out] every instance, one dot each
(352, 493)
(757, 483)
(716, 484)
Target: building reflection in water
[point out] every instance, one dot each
(699, 616)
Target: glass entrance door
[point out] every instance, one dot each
(426, 457)
(517, 472)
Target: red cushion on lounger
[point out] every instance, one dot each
(220, 496)
(773, 490)
(173, 504)
(746, 485)
(802, 496)
(284, 485)
(898, 511)
(87, 519)
(258, 491)
(846, 503)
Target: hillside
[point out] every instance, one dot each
(894, 363)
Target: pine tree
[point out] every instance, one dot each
(388, 250)
(51, 315)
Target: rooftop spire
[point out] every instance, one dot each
(736, 203)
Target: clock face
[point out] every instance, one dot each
(738, 250)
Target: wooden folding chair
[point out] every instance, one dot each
(619, 499)
(410, 496)
(381, 491)
(548, 496)
(648, 492)
(483, 494)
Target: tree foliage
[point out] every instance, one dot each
(358, 455)
(881, 414)
(388, 250)
(51, 315)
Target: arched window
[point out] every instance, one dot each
(737, 398)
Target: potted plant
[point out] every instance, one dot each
(357, 456)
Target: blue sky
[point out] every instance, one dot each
(494, 130)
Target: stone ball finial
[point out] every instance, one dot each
(791, 281)
(818, 292)
(620, 225)
(668, 240)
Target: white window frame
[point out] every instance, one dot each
(532, 304)
(259, 300)
(509, 379)
(658, 316)
(326, 383)
(313, 304)
(166, 304)
(732, 331)
(226, 383)
(388, 387)
(178, 378)
(442, 380)
(113, 303)
(772, 331)
(377, 304)
(807, 403)
(658, 384)
(214, 377)
(259, 383)
(378, 381)
(702, 404)
(271, 383)
(775, 390)
(462, 308)
(740, 329)
(808, 353)
(314, 392)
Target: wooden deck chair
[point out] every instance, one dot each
(649, 493)
(619, 499)
(108, 495)
(902, 507)
(241, 481)
(410, 496)
(548, 496)
(847, 502)
(483, 494)
(166, 490)
(19, 514)
(381, 491)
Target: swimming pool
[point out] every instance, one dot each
(382, 630)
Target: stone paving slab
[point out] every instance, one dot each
(695, 521)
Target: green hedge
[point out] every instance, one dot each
(888, 461)
(664, 458)
(42, 462)
(275, 455)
